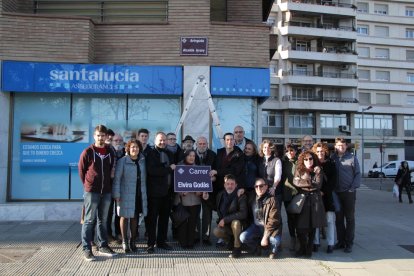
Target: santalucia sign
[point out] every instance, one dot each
(192, 179)
(20, 76)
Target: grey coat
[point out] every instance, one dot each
(125, 185)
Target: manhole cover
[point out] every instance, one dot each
(13, 255)
(408, 247)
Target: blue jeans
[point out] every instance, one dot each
(96, 207)
(252, 237)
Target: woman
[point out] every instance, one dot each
(289, 191)
(271, 169)
(252, 165)
(130, 192)
(192, 202)
(308, 179)
(328, 186)
(403, 180)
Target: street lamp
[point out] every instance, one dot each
(362, 137)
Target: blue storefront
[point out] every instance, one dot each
(54, 108)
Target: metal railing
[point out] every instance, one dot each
(287, 98)
(322, 2)
(319, 74)
(140, 11)
(337, 50)
(318, 26)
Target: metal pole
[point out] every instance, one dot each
(362, 143)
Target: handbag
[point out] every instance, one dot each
(296, 204)
(179, 214)
(399, 181)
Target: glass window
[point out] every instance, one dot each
(362, 29)
(362, 7)
(409, 55)
(409, 33)
(410, 100)
(363, 74)
(409, 11)
(272, 122)
(380, 9)
(383, 98)
(382, 75)
(364, 98)
(235, 111)
(303, 93)
(382, 53)
(363, 52)
(374, 124)
(301, 69)
(330, 123)
(382, 31)
(301, 123)
(410, 77)
(408, 122)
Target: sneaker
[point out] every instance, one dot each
(88, 255)
(330, 248)
(272, 256)
(339, 246)
(316, 247)
(106, 251)
(348, 249)
(220, 243)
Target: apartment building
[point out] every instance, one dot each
(67, 66)
(343, 68)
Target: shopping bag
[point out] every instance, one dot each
(395, 192)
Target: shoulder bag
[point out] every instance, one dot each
(296, 204)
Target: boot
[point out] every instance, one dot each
(292, 246)
(125, 246)
(132, 245)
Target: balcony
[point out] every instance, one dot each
(320, 99)
(318, 103)
(332, 54)
(319, 7)
(318, 30)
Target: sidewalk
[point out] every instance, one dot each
(383, 226)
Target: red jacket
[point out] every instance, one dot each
(95, 171)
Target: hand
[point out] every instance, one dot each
(213, 173)
(264, 242)
(272, 191)
(221, 223)
(172, 166)
(205, 195)
(184, 194)
(240, 192)
(317, 170)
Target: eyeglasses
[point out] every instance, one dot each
(308, 159)
(259, 186)
(239, 131)
(172, 139)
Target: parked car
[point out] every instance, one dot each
(390, 169)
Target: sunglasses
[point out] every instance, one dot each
(308, 159)
(259, 186)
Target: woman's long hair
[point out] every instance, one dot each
(301, 162)
(271, 146)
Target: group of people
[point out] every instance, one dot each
(250, 184)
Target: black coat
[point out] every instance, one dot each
(158, 174)
(234, 166)
(236, 211)
(328, 184)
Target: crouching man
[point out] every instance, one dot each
(232, 214)
(263, 232)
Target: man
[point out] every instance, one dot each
(119, 150)
(174, 147)
(95, 165)
(232, 215)
(307, 143)
(143, 136)
(266, 221)
(230, 160)
(160, 168)
(348, 180)
(188, 143)
(239, 139)
(205, 157)
(109, 135)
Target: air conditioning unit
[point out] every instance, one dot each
(344, 129)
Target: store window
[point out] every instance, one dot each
(375, 125)
(52, 131)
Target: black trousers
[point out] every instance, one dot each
(186, 231)
(159, 209)
(112, 214)
(345, 218)
(291, 221)
(407, 189)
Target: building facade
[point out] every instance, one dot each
(68, 66)
(343, 68)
